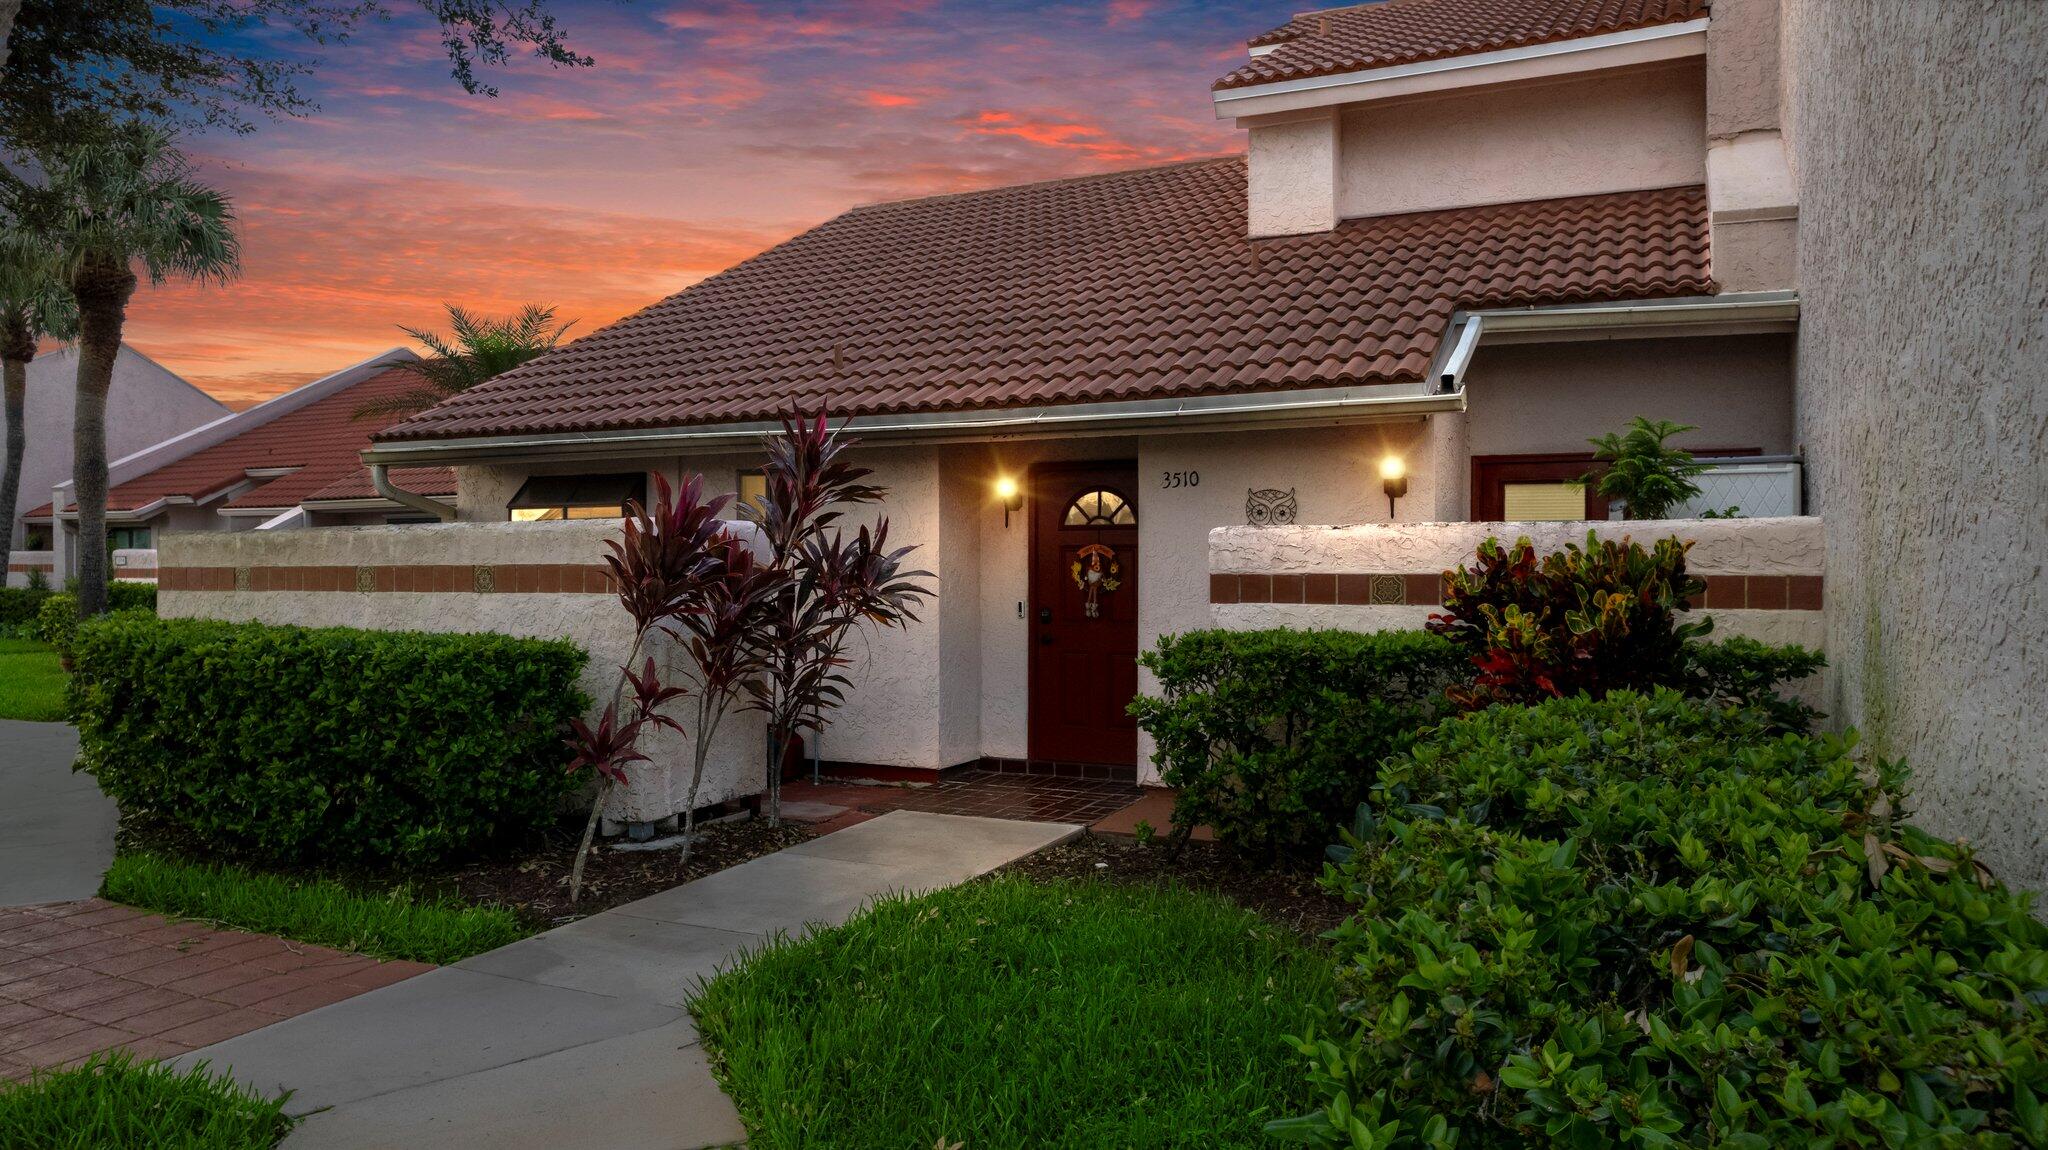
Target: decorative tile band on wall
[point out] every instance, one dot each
(478, 579)
(1728, 592)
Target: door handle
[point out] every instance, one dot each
(1045, 614)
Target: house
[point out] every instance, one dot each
(1465, 237)
(290, 461)
(146, 404)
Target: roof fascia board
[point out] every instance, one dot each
(1623, 49)
(238, 422)
(1297, 408)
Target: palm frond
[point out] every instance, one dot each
(478, 347)
(129, 197)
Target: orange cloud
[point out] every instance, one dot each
(875, 99)
(333, 264)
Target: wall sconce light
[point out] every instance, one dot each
(1393, 480)
(1010, 494)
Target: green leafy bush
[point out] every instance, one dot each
(1746, 673)
(1270, 737)
(55, 622)
(51, 616)
(341, 746)
(131, 595)
(18, 607)
(1639, 921)
(1599, 618)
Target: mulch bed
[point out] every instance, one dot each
(536, 882)
(532, 878)
(1287, 898)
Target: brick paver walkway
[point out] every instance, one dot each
(81, 977)
(1032, 798)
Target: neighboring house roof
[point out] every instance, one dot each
(1132, 285)
(1383, 35)
(321, 441)
(356, 484)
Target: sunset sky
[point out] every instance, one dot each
(705, 132)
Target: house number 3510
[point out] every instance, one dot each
(1172, 479)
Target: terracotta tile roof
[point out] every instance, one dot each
(1134, 285)
(1365, 36)
(322, 439)
(356, 484)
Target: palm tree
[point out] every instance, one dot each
(120, 200)
(33, 304)
(481, 348)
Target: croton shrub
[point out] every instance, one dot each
(1599, 618)
(1641, 921)
(289, 744)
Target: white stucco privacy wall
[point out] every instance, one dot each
(485, 578)
(1763, 575)
(1920, 139)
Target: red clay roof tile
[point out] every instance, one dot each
(322, 440)
(1132, 285)
(1366, 36)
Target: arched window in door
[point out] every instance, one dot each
(1099, 508)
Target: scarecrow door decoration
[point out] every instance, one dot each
(1096, 570)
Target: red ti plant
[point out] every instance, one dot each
(661, 563)
(717, 628)
(826, 583)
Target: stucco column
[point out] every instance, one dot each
(1292, 181)
(1450, 467)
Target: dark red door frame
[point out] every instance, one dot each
(1082, 672)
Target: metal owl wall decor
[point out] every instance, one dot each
(1269, 507)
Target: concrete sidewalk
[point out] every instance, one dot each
(580, 1035)
(56, 828)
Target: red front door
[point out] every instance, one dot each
(1084, 612)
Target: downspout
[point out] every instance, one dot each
(1452, 380)
(396, 494)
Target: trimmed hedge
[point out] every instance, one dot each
(1270, 737)
(18, 606)
(1642, 921)
(286, 744)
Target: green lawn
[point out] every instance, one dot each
(112, 1102)
(1010, 1013)
(31, 682)
(322, 912)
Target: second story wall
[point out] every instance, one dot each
(1609, 132)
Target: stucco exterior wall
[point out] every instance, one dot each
(1737, 390)
(1742, 68)
(1922, 133)
(593, 621)
(1291, 181)
(146, 405)
(1333, 472)
(1728, 552)
(1611, 132)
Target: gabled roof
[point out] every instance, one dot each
(1367, 36)
(1133, 285)
(319, 441)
